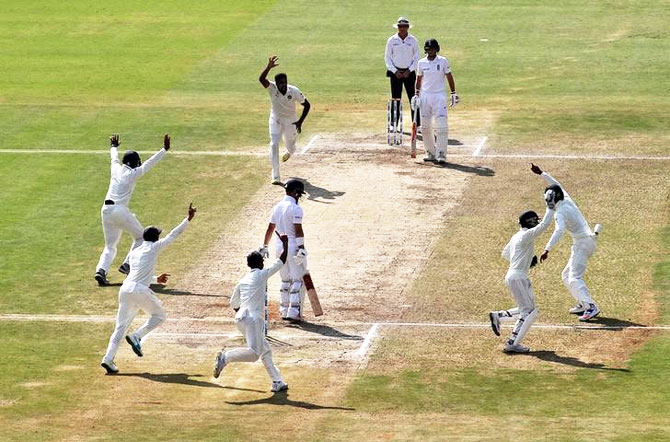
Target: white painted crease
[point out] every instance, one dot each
(306, 148)
(365, 346)
(480, 146)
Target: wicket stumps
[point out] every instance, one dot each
(394, 118)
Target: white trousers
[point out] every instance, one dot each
(292, 289)
(253, 329)
(525, 312)
(433, 106)
(116, 219)
(573, 273)
(281, 129)
(130, 303)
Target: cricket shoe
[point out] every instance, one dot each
(590, 313)
(515, 348)
(429, 158)
(125, 268)
(135, 344)
(278, 386)
(495, 322)
(276, 182)
(285, 157)
(219, 363)
(109, 366)
(577, 310)
(101, 277)
(441, 159)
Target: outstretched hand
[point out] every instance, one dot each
(298, 126)
(535, 169)
(533, 262)
(114, 140)
(272, 62)
(166, 142)
(163, 278)
(544, 256)
(191, 211)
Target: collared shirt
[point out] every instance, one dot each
(123, 178)
(433, 73)
(568, 217)
(401, 54)
(249, 294)
(284, 215)
(520, 250)
(283, 105)
(143, 259)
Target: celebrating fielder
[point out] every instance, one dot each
(135, 293)
(116, 216)
(283, 117)
(568, 217)
(430, 88)
(520, 252)
(286, 219)
(248, 301)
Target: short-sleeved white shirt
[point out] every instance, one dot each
(284, 215)
(283, 106)
(433, 73)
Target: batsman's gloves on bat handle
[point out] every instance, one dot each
(300, 256)
(454, 99)
(414, 103)
(263, 250)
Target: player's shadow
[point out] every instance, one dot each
(114, 284)
(281, 398)
(174, 292)
(319, 194)
(478, 170)
(324, 330)
(551, 356)
(613, 324)
(184, 379)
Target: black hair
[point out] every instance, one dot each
(255, 260)
(280, 76)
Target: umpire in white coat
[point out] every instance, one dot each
(116, 216)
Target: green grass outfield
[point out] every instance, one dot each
(563, 78)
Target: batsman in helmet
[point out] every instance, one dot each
(431, 73)
(116, 216)
(520, 252)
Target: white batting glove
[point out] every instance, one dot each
(300, 256)
(414, 103)
(455, 99)
(264, 251)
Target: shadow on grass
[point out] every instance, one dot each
(184, 379)
(174, 292)
(324, 330)
(614, 323)
(478, 170)
(551, 356)
(281, 398)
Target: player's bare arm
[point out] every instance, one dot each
(191, 211)
(268, 233)
(305, 110)
(166, 142)
(299, 234)
(272, 62)
(284, 252)
(417, 86)
(535, 169)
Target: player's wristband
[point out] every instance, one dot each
(300, 241)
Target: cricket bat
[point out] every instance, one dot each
(413, 143)
(311, 294)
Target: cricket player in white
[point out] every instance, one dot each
(248, 301)
(520, 252)
(430, 89)
(284, 121)
(116, 216)
(569, 217)
(286, 219)
(135, 293)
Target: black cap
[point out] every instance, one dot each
(131, 159)
(295, 185)
(526, 216)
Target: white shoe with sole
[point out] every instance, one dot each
(278, 386)
(219, 363)
(577, 310)
(285, 157)
(515, 348)
(109, 366)
(590, 313)
(495, 322)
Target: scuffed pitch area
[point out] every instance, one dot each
(372, 215)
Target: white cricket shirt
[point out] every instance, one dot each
(284, 215)
(401, 54)
(433, 73)
(123, 178)
(143, 259)
(520, 250)
(568, 217)
(283, 106)
(249, 293)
